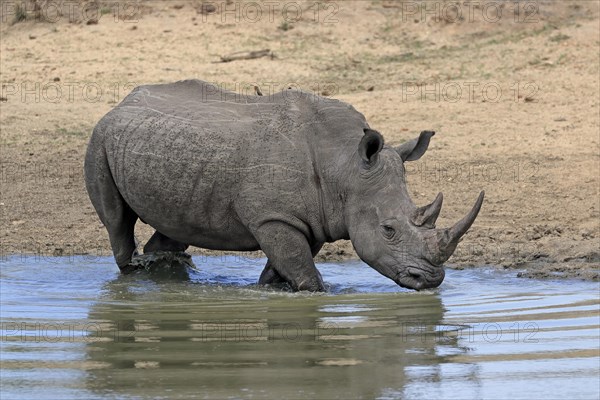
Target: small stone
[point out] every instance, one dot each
(585, 233)
(206, 8)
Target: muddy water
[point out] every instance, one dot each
(74, 328)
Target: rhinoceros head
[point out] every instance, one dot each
(388, 231)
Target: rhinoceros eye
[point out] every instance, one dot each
(388, 231)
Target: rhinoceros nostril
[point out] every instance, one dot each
(415, 273)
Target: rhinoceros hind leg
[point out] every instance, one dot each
(160, 242)
(116, 215)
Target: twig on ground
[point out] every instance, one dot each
(246, 55)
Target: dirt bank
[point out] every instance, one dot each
(513, 96)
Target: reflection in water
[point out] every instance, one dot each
(230, 342)
(71, 328)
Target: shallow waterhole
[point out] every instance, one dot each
(73, 327)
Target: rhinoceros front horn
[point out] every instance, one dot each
(448, 238)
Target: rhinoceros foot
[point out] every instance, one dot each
(161, 263)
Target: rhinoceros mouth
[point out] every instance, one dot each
(418, 279)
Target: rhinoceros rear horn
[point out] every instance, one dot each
(427, 215)
(448, 238)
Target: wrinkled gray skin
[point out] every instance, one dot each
(283, 173)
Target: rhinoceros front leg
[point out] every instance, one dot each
(271, 277)
(290, 257)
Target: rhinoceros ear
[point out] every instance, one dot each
(414, 149)
(370, 146)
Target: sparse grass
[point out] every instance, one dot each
(559, 38)
(252, 42)
(20, 14)
(80, 132)
(404, 57)
(561, 59)
(418, 44)
(285, 26)
(516, 37)
(424, 52)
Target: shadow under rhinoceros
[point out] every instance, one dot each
(177, 338)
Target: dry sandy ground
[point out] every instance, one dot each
(514, 99)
